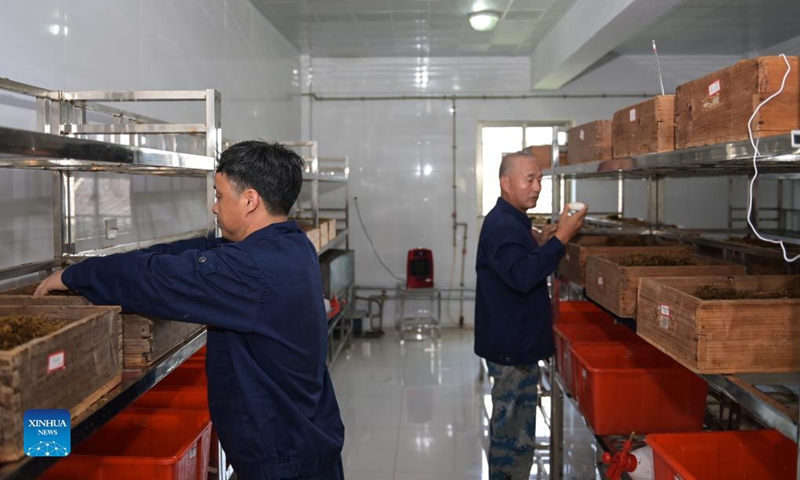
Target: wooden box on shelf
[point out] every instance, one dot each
(722, 336)
(615, 287)
(647, 127)
(331, 223)
(144, 340)
(543, 154)
(589, 142)
(313, 234)
(716, 108)
(573, 265)
(70, 368)
(327, 231)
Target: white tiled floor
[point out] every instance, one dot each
(417, 411)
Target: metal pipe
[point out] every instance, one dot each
(128, 247)
(463, 263)
(29, 268)
(365, 98)
(392, 287)
(455, 186)
(557, 422)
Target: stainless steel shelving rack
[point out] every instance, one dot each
(752, 392)
(62, 147)
(323, 175)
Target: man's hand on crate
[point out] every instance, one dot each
(51, 284)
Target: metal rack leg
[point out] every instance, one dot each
(556, 426)
(222, 471)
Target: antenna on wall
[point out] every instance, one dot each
(658, 65)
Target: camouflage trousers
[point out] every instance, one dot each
(512, 437)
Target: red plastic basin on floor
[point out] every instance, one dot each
(567, 334)
(757, 455)
(625, 388)
(142, 444)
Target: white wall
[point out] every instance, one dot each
(148, 44)
(388, 140)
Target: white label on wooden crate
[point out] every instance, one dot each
(663, 310)
(600, 280)
(582, 135)
(714, 88)
(55, 361)
(632, 114)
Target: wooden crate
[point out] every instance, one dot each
(615, 287)
(543, 154)
(573, 265)
(647, 127)
(332, 233)
(71, 368)
(145, 340)
(716, 108)
(313, 234)
(589, 142)
(324, 232)
(722, 336)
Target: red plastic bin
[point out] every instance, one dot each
(199, 356)
(564, 308)
(756, 454)
(139, 444)
(186, 375)
(567, 334)
(179, 398)
(599, 318)
(623, 388)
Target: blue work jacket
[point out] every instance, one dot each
(513, 317)
(269, 392)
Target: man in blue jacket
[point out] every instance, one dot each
(259, 291)
(513, 320)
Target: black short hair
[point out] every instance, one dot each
(271, 169)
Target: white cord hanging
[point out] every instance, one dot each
(756, 154)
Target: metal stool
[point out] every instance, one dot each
(423, 321)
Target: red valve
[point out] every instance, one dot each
(621, 461)
(335, 307)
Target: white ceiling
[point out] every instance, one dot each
(422, 28)
(720, 27)
(410, 28)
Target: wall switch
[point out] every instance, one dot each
(111, 228)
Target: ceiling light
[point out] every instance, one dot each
(484, 21)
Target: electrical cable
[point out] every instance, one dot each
(363, 227)
(756, 154)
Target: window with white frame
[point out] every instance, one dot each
(497, 140)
